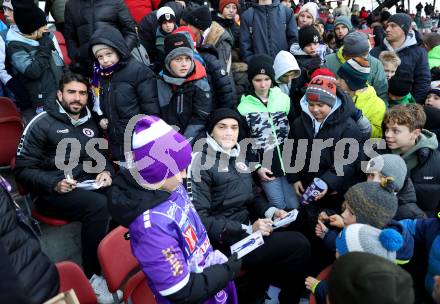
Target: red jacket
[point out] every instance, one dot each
(140, 8)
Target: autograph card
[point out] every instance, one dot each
(88, 185)
(289, 218)
(248, 244)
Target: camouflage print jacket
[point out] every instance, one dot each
(268, 125)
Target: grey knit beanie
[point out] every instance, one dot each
(389, 165)
(356, 44)
(402, 20)
(345, 21)
(371, 203)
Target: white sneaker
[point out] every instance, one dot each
(102, 293)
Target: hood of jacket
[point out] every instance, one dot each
(283, 63)
(368, 93)
(426, 140)
(216, 34)
(434, 57)
(13, 34)
(274, 4)
(409, 41)
(127, 199)
(341, 111)
(112, 37)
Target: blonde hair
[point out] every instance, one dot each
(388, 57)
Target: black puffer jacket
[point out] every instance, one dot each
(338, 125)
(83, 17)
(222, 84)
(31, 270)
(407, 203)
(187, 105)
(223, 195)
(131, 90)
(35, 161)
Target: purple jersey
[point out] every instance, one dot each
(170, 242)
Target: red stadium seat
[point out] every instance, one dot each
(323, 275)
(63, 47)
(72, 277)
(137, 291)
(116, 259)
(11, 128)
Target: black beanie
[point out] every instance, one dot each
(261, 64)
(174, 41)
(357, 277)
(384, 16)
(199, 17)
(28, 16)
(400, 85)
(402, 20)
(219, 114)
(307, 34)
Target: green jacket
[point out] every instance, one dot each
(377, 77)
(268, 124)
(373, 109)
(405, 100)
(434, 57)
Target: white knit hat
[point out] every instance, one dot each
(8, 4)
(311, 8)
(97, 47)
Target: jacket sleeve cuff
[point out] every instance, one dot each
(247, 228)
(270, 212)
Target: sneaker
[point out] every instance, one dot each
(102, 293)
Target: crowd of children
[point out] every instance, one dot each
(221, 117)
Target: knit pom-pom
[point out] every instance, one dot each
(390, 239)
(388, 183)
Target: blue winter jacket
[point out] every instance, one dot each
(427, 231)
(414, 62)
(267, 29)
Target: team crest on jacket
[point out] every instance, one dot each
(190, 237)
(88, 132)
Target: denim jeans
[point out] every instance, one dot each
(280, 193)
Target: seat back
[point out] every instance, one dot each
(72, 277)
(63, 47)
(116, 258)
(11, 129)
(323, 275)
(137, 291)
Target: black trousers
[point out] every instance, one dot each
(87, 207)
(282, 262)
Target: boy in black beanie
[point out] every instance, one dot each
(399, 90)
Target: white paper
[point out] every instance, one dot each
(248, 244)
(289, 218)
(90, 184)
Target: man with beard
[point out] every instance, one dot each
(56, 153)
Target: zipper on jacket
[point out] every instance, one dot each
(180, 103)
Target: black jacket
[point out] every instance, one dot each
(224, 195)
(407, 203)
(26, 270)
(188, 105)
(127, 200)
(339, 125)
(130, 90)
(35, 161)
(222, 84)
(267, 29)
(83, 17)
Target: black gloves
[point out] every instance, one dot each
(46, 43)
(234, 265)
